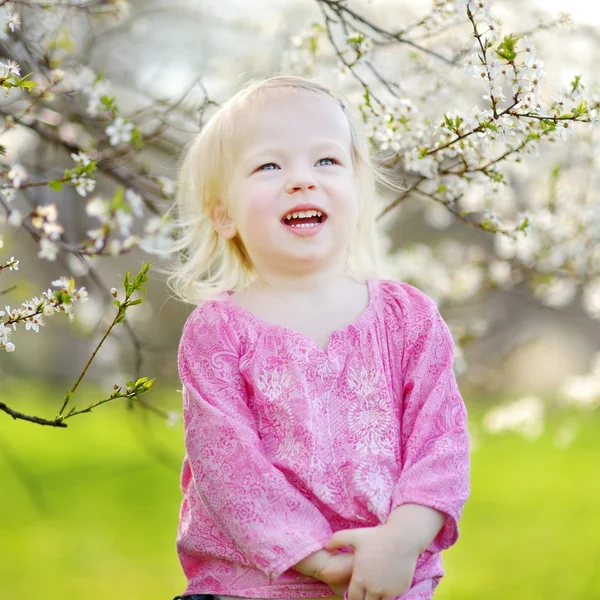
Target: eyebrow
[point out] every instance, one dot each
(270, 150)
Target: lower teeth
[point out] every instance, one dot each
(305, 225)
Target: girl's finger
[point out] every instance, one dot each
(340, 539)
(355, 591)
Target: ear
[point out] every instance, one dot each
(222, 221)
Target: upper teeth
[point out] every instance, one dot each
(303, 213)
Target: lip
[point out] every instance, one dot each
(300, 207)
(304, 231)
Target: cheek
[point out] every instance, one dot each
(257, 206)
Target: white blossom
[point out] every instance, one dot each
(13, 20)
(97, 207)
(120, 131)
(124, 221)
(17, 174)
(15, 219)
(10, 68)
(167, 186)
(83, 185)
(8, 192)
(81, 158)
(48, 249)
(136, 202)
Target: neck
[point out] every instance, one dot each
(299, 283)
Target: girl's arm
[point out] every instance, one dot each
(435, 439)
(271, 524)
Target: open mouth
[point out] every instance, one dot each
(304, 219)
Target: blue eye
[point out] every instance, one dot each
(332, 161)
(262, 168)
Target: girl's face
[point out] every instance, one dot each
(294, 150)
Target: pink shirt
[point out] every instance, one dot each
(287, 443)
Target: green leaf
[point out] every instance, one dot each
(117, 199)
(576, 83)
(507, 48)
(56, 185)
(108, 102)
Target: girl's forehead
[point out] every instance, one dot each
(294, 115)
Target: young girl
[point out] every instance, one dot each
(327, 446)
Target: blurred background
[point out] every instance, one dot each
(91, 510)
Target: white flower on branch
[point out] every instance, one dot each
(167, 186)
(32, 311)
(53, 230)
(44, 215)
(34, 323)
(136, 202)
(158, 239)
(13, 265)
(4, 337)
(83, 185)
(97, 207)
(558, 292)
(8, 193)
(17, 174)
(81, 158)
(387, 140)
(120, 131)
(10, 68)
(425, 165)
(13, 20)
(97, 236)
(49, 211)
(360, 44)
(124, 221)
(84, 79)
(48, 249)
(15, 218)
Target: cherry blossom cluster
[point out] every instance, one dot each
(31, 312)
(466, 164)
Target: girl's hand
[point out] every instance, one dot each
(337, 571)
(384, 564)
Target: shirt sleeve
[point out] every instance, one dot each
(267, 519)
(435, 439)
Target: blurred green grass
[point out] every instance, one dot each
(91, 511)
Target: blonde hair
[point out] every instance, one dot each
(206, 263)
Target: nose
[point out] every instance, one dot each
(300, 183)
